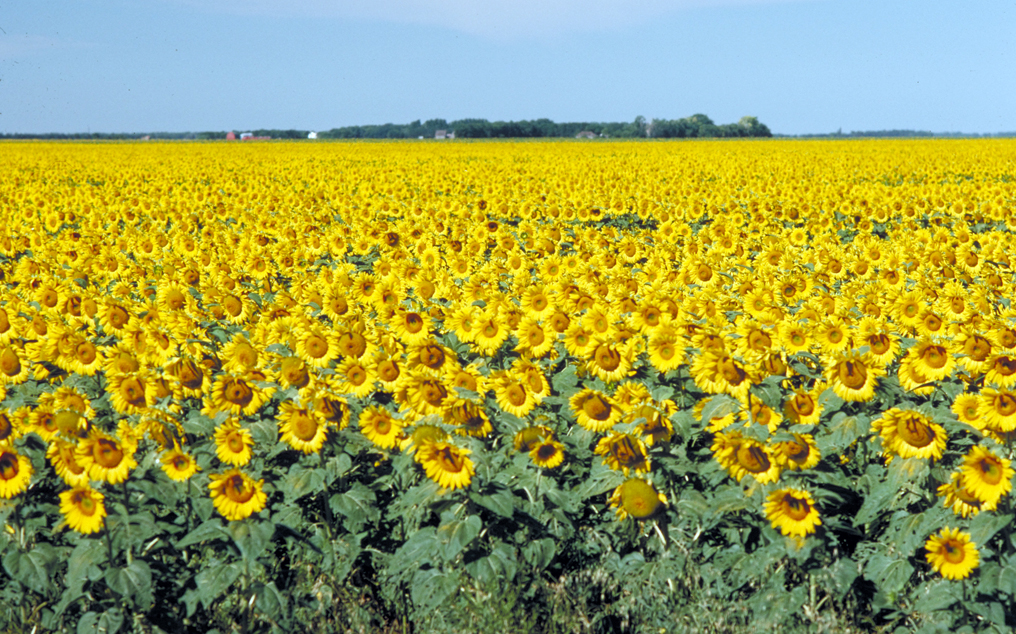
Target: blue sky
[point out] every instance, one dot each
(800, 66)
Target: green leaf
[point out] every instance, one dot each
(935, 595)
(300, 482)
(499, 566)
(109, 622)
(431, 588)
(31, 568)
(501, 501)
(539, 553)
(458, 534)
(358, 505)
(209, 530)
(270, 601)
(215, 579)
(890, 575)
(84, 562)
(565, 382)
(418, 550)
(984, 526)
(133, 582)
(719, 406)
(252, 537)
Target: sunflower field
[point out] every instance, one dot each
(526, 387)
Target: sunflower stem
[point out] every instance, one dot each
(127, 522)
(109, 540)
(327, 502)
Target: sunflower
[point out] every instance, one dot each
(411, 327)
(419, 436)
(9, 430)
(490, 333)
(378, 425)
(966, 406)
(178, 465)
(623, 452)
(594, 410)
(235, 394)
(741, 456)
(534, 339)
(717, 372)
(107, 459)
(236, 495)
(15, 472)
(355, 376)
(952, 554)
(293, 372)
(469, 418)
(610, 361)
(910, 434)
(800, 453)
(666, 353)
(239, 355)
(547, 453)
(528, 437)
(1001, 370)
(987, 476)
(932, 360)
(302, 428)
(333, 409)
(62, 455)
(637, 498)
(853, 377)
(997, 409)
(316, 345)
(962, 502)
(793, 512)
(233, 443)
(795, 338)
(15, 367)
(83, 509)
(514, 395)
(446, 464)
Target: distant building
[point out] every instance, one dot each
(444, 134)
(231, 136)
(312, 135)
(244, 136)
(586, 134)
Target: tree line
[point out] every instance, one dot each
(695, 126)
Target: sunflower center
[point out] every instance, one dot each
(515, 394)
(316, 346)
(934, 357)
(803, 404)
(303, 427)
(450, 460)
(232, 305)
(388, 370)
(236, 490)
(490, 330)
(1005, 404)
(432, 356)
(853, 375)
(414, 323)
(433, 393)
(596, 407)
(118, 317)
(356, 375)
(107, 453)
(990, 471)
(133, 391)
(759, 341)
(1004, 366)
(238, 392)
(794, 508)
(953, 552)
(607, 358)
(977, 348)
(933, 323)
(879, 343)
(546, 451)
(8, 466)
(84, 503)
(915, 432)
(639, 499)
(10, 364)
(753, 459)
(352, 344)
(731, 372)
(535, 335)
(181, 463)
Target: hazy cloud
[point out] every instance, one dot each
(499, 19)
(15, 46)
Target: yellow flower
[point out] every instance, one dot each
(379, 427)
(83, 509)
(547, 453)
(15, 473)
(800, 453)
(178, 465)
(302, 428)
(793, 512)
(446, 464)
(233, 443)
(952, 554)
(910, 434)
(236, 495)
(637, 498)
(963, 502)
(853, 377)
(594, 411)
(986, 475)
(623, 453)
(105, 458)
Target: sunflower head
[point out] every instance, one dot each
(952, 554)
